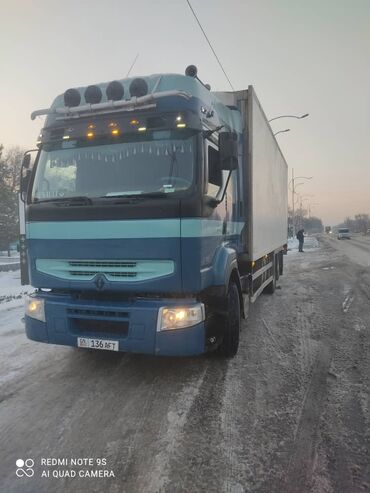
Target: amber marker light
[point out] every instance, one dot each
(134, 122)
(115, 131)
(90, 135)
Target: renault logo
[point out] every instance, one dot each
(99, 281)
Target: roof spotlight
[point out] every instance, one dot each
(138, 88)
(72, 97)
(191, 71)
(115, 91)
(93, 94)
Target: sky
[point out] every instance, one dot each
(301, 57)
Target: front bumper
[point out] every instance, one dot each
(132, 323)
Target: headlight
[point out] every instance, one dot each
(35, 308)
(170, 318)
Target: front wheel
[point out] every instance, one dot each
(231, 323)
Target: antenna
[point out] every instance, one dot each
(132, 65)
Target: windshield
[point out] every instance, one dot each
(161, 162)
(343, 230)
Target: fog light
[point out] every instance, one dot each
(35, 308)
(170, 318)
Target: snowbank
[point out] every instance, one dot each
(11, 291)
(310, 242)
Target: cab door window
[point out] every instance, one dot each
(215, 175)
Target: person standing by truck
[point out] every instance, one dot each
(300, 238)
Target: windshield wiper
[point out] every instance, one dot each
(82, 200)
(137, 196)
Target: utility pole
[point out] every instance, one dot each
(292, 181)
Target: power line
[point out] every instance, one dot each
(210, 45)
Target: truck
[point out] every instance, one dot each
(155, 214)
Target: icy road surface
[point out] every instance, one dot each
(289, 414)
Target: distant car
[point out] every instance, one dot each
(343, 233)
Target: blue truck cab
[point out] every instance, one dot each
(137, 220)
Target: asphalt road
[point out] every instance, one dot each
(289, 414)
(357, 248)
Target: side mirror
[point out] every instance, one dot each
(26, 161)
(228, 147)
(25, 181)
(25, 174)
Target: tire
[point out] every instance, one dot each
(231, 324)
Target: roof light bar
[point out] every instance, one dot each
(135, 102)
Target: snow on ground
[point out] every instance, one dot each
(9, 260)
(4, 259)
(310, 243)
(11, 291)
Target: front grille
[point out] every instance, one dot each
(92, 321)
(102, 263)
(96, 313)
(122, 274)
(113, 270)
(93, 326)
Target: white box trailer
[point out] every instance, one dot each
(265, 179)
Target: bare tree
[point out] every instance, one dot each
(362, 222)
(10, 164)
(13, 158)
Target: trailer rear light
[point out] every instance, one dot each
(171, 318)
(35, 308)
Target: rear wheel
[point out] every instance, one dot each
(231, 323)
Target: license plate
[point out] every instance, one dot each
(97, 344)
